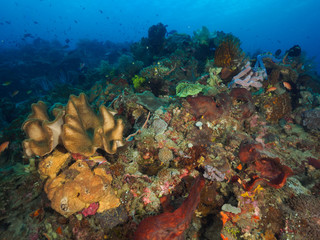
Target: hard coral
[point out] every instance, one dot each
(43, 134)
(276, 107)
(84, 131)
(171, 225)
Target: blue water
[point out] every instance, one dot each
(262, 26)
(265, 24)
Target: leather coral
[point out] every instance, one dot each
(76, 126)
(43, 133)
(84, 131)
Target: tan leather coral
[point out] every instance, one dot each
(43, 134)
(51, 165)
(84, 131)
(78, 187)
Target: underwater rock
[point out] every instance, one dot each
(311, 119)
(149, 101)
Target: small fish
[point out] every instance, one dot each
(36, 213)
(59, 230)
(67, 40)
(100, 11)
(239, 167)
(271, 89)
(4, 146)
(287, 85)
(6, 83)
(97, 159)
(27, 35)
(81, 67)
(172, 32)
(35, 22)
(29, 92)
(14, 93)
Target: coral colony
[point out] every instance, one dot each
(177, 137)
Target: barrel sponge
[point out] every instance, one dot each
(78, 187)
(85, 131)
(43, 134)
(52, 164)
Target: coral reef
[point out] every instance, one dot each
(253, 155)
(137, 81)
